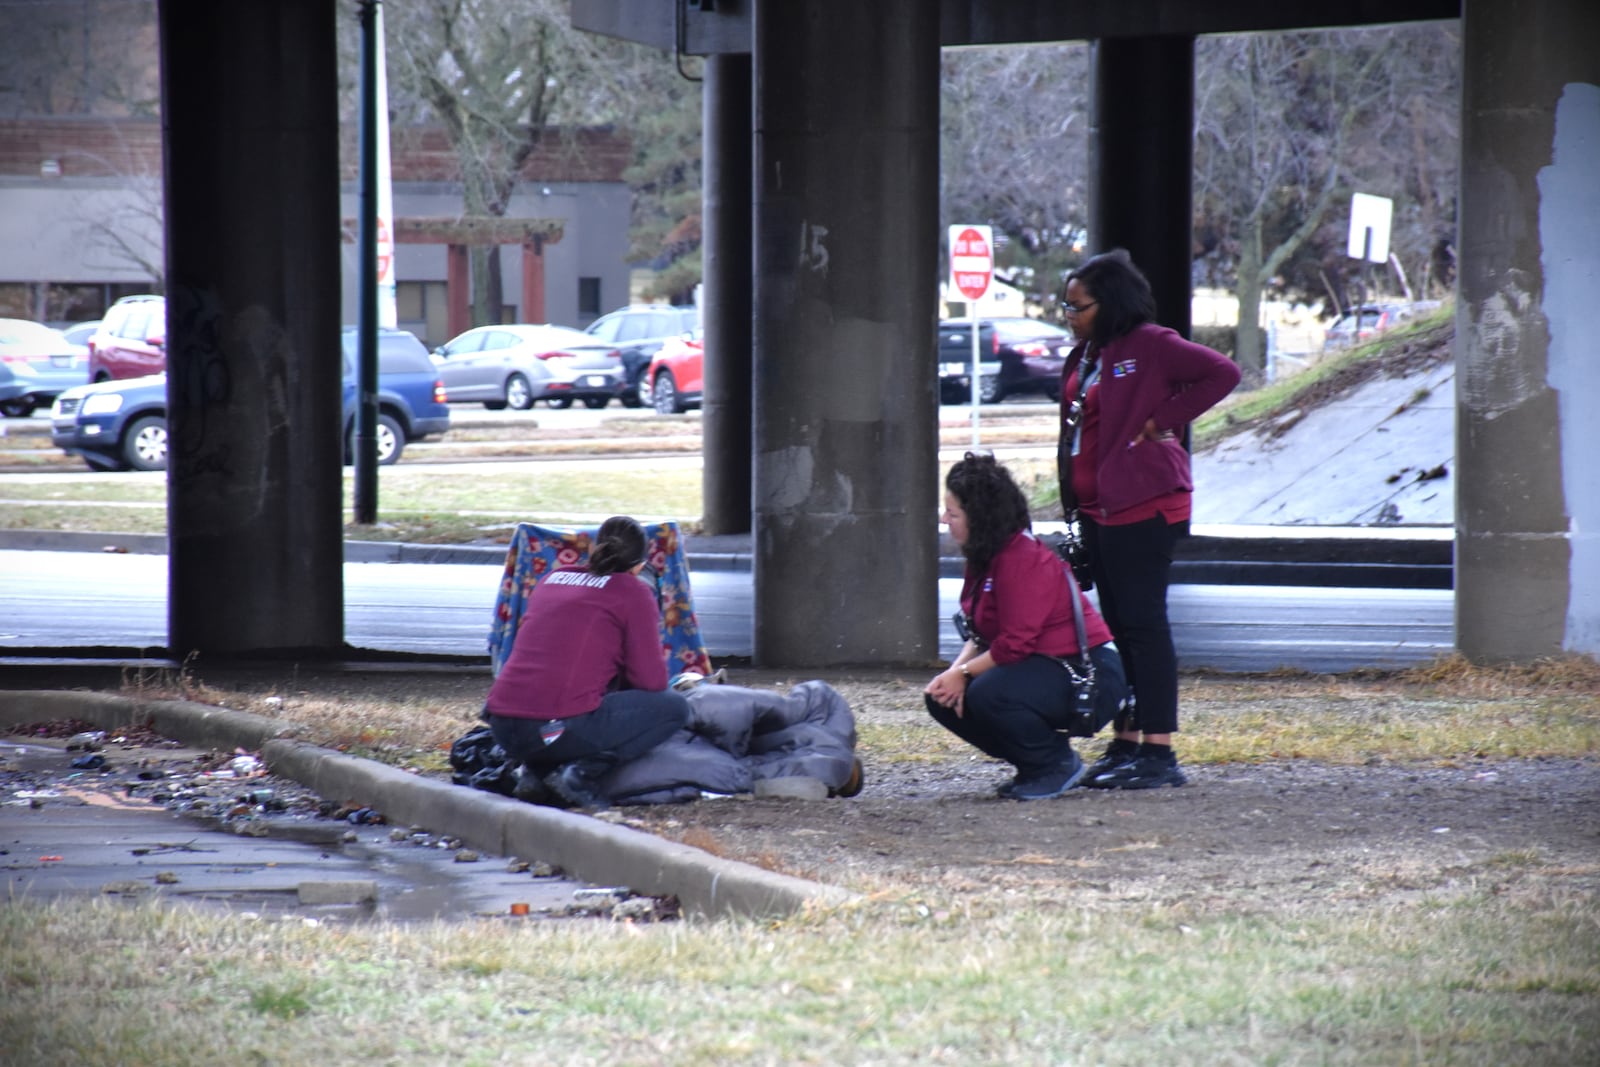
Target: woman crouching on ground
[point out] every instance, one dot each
(1008, 693)
(585, 686)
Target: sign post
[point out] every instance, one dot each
(1370, 217)
(971, 274)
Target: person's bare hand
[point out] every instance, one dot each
(1149, 432)
(950, 689)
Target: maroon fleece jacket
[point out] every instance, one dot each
(580, 633)
(1151, 372)
(1022, 603)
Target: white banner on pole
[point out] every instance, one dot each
(388, 313)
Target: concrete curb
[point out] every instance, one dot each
(589, 849)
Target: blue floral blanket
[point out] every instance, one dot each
(537, 550)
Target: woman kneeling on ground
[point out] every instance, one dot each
(1008, 693)
(585, 686)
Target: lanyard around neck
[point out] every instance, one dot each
(1088, 374)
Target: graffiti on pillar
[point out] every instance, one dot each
(198, 378)
(813, 252)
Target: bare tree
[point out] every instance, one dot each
(125, 227)
(1287, 126)
(665, 172)
(498, 74)
(78, 57)
(1013, 139)
(1411, 153)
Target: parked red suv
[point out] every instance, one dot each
(131, 341)
(674, 381)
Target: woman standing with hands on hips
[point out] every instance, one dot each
(1008, 692)
(1128, 392)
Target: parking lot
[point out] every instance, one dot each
(500, 436)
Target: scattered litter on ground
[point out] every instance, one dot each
(66, 763)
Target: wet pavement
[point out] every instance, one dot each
(144, 818)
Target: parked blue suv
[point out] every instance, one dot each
(411, 396)
(122, 425)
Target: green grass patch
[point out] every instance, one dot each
(1245, 407)
(427, 508)
(86, 518)
(536, 492)
(131, 490)
(1501, 975)
(1361, 732)
(922, 741)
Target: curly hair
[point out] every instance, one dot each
(1122, 290)
(618, 547)
(996, 509)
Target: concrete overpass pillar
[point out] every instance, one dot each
(1527, 369)
(846, 274)
(252, 223)
(726, 308)
(1141, 171)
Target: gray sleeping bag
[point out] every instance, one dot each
(736, 737)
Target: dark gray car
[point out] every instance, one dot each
(1015, 356)
(638, 332)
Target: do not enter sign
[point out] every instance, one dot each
(971, 260)
(385, 253)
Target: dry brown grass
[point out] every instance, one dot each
(1457, 674)
(397, 719)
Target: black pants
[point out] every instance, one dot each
(1016, 712)
(626, 725)
(1132, 566)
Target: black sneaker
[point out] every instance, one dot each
(1051, 783)
(530, 787)
(1142, 772)
(1113, 758)
(571, 788)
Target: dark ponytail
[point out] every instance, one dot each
(618, 547)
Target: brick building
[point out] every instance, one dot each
(80, 220)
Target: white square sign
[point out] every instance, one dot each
(1370, 213)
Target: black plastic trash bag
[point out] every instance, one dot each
(474, 753)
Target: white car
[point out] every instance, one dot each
(514, 365)
(36, 364)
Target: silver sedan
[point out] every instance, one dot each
(514, 365)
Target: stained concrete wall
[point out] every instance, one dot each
(1528, 369)
(846, 231)
(254, 474)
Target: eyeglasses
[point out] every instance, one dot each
(1078, 309)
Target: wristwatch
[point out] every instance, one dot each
(966, 674)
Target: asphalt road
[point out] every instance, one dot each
(66, 600)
